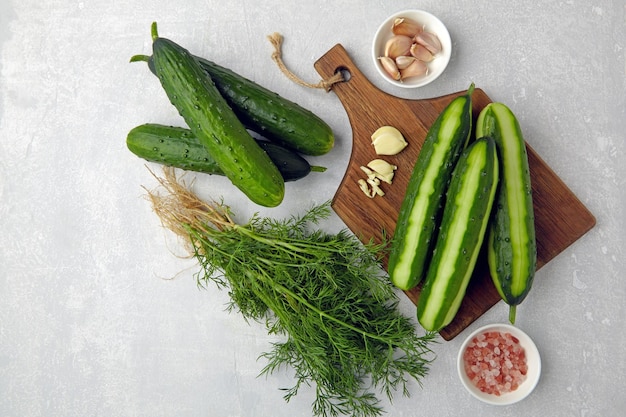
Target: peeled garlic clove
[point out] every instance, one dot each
(390, 67)
(420, 52)
(383, 170)
(368, 172)
(430, 41)
(404, 61)
(398, 45)
(381, 166)
(416, 69)
(406, 26)
(375, 183)
(388, 140)
(365, 188)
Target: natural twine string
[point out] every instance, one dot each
(276, 40)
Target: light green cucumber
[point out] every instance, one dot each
(420, 211)
(214, 123)
(466, 215)
(512, 248)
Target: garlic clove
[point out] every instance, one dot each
(383, 170)
(420, 52)
(404, 61)
(387, 140)
(430, 41)
(390, 67)
(416, 69)
(365, 188)
(384, 130)
(398, 45)
(381, 166)
(375, 185)
(367, 171)
(406, 26)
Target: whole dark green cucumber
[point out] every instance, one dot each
(178, 147)
(512, 249)
(415, 233)
(469, 200)
(267, 113)
(214, 124)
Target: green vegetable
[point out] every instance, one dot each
(267, 113)
(214, 124)
(343, 334)
(512, 249)
(469, 201)
(178, 147)
(421, 207)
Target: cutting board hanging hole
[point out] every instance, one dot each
(345, 73)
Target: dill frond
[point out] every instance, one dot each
(324, 292)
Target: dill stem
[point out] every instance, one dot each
(263, 277)
(310, 306)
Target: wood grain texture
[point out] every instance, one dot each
(560, 217)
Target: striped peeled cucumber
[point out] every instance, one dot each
(512, 248)
(421, 207)
(214, 123)
(469, 201)
(178, 147)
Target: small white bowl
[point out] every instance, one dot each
(533, 362)
(431, 24)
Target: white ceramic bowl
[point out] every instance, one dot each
(431, 24)
(533, 361)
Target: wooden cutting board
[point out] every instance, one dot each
(560, 217)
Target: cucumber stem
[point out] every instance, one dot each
(470, 90)
(316, 168)
(140, 58)
(153, 31)
(512, 310)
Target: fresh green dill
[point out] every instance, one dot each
(343, 334)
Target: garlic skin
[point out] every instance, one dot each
(406, 26)
(420, 52)
(410, 41)
(402, 62)
(390, 67)
(430, 41)
(387, 140)
(416, 69)
(398, 45)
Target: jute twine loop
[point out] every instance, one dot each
(276, 40)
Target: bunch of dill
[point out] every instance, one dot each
(323, 292)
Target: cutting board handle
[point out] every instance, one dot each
(356, 83)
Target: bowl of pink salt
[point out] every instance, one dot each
(499, 364)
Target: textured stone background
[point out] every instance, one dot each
(99, 316)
